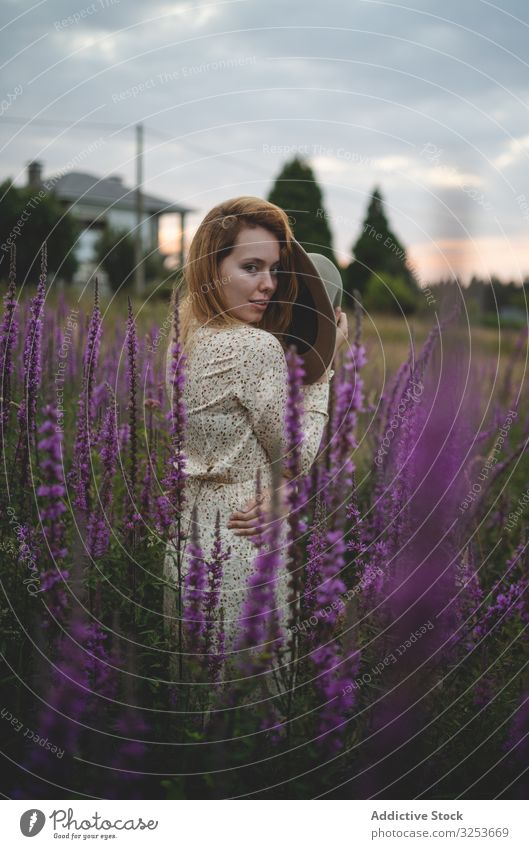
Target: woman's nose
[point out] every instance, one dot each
(267, 282)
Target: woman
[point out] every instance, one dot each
(241, 288)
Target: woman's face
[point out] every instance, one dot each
(251, 273)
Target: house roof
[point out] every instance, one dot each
(111, 191)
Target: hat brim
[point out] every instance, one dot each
(313, 326)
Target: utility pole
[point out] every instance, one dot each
(182, 236)
(139, 273)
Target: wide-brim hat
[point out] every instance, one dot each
(313, 326)
(331, 276)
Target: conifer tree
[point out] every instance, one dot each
(377, 251)
(297, 192)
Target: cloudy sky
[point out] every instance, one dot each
(427, 99)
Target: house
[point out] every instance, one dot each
(106, 202)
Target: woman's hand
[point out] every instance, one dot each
(244, 522)
(342, 331)
(342, 334)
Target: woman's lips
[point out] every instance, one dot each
(259, 306)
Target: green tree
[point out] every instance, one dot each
(115, 252)
(296, 191)
(28, 218)
(390, 294)
(377, 251)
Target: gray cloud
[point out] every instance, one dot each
(367, 87)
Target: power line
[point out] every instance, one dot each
(139, 130)
(193, 146)
(201, 148)
(46, 122)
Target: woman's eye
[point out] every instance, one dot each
(252, 265)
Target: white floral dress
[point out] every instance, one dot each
(235, 397)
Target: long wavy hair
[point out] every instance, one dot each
(199, 288)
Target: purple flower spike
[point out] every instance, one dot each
(215, 653)
(195, 594)
(260, 627)
(91, 353)
(79, 476)
(294, 438)
(334, 672)
(315, 562)
(99, 523)
(131, 515)
(174, 482)
(132, 382)
(32, 361)
(335, 687)
(8, 340)
(349, 402)
(131, 753)
(52, 490)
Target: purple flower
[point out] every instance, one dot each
(99, 662)
(325, 586)
(52, 491)
(398, 423)
(170, 504)
(368, 554)
(132, 518)
(509, 598)
(315, 562)
(83, 675)
(32, 362)
(28, 553)
(129, 760)
(8, 340)
(349, 401)
(293, 413)
(331, 585)
(132, 382)
(195, 594)
(468, 598)
(79, 476)
(335, 687)
(56, 598)
(130, 754)
(294, 438)
(146, 497)
(421, 488)
(174, 481)
(124, 435)
(91, 353)
(99, 522)
(214, 644)
(259, 627)
(65, 702)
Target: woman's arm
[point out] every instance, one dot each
(315, 403)
(243, 522)
(263, 392)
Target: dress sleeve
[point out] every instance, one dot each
(315, 416)
(263, 390)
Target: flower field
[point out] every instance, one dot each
(403, 670)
